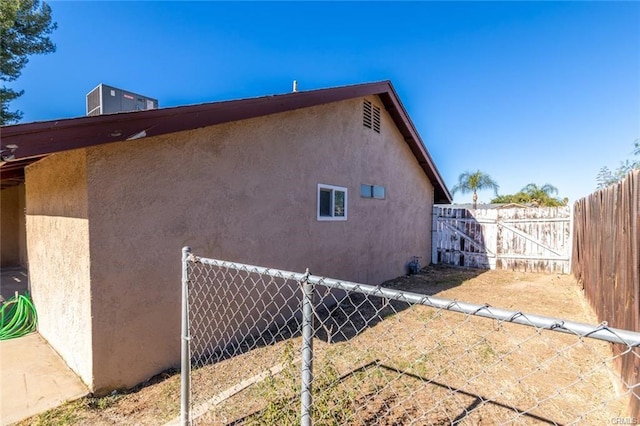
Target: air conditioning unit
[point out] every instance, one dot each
(107, 100)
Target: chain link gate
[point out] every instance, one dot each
(265, 346)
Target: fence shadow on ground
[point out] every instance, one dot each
(433, 279)
(342, 317)
(477, 399)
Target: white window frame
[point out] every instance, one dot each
(333, 189)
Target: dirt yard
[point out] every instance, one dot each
(390, 363)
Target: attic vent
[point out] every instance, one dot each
(376, 119)
(371, 116)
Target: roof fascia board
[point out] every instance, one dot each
(82, 132)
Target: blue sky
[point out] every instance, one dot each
(543, 92)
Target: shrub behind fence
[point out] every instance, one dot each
(264, 346)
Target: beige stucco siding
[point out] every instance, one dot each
(243, 191)
(59, 257)
(13, 251)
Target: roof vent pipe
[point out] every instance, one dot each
(295, 86)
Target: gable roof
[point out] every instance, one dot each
(33, 141)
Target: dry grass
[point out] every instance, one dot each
(411, 365)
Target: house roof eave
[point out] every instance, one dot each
(31, 141)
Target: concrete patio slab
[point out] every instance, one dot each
(33, 379)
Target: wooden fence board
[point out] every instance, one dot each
(606, 261)
(526, 239)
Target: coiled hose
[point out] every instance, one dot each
(17, 317)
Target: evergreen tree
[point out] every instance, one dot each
(25, 26)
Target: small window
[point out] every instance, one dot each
(332, 202)
(372, 191)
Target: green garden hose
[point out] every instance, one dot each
(17, 317)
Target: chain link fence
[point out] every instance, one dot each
(263, 346)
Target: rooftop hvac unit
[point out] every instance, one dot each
(106, 100)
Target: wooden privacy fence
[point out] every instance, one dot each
(524, 239)
(606, 261)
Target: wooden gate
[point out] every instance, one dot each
(522, 239)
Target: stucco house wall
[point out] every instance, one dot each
(13, 247)
(244, 191)
(59, 256)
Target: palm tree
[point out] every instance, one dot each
(474, 182)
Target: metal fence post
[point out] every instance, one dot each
(185, 367)
(307, 351)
